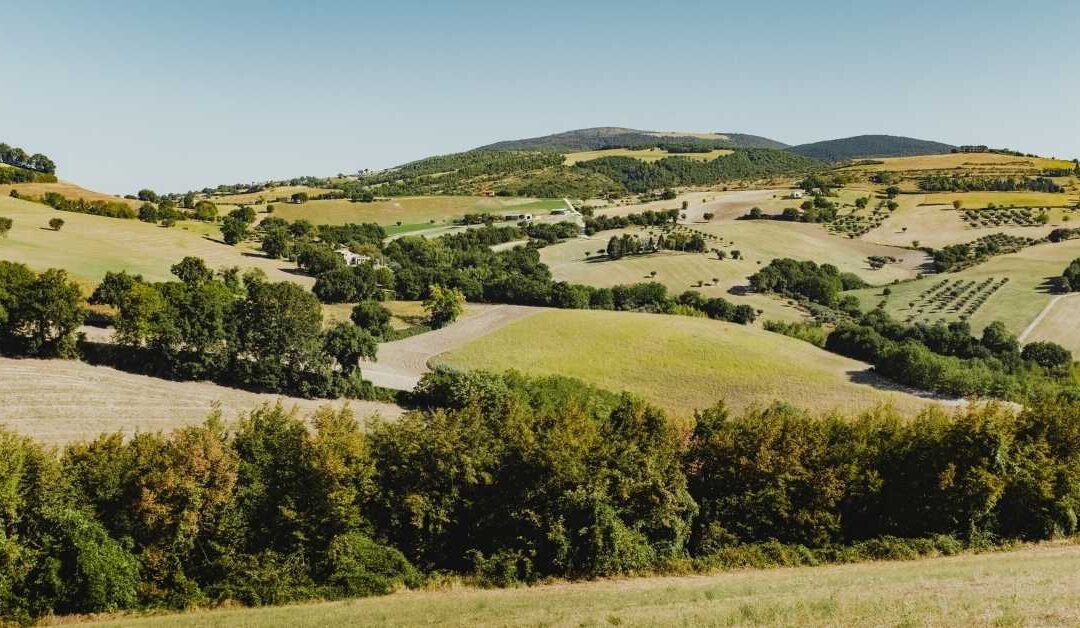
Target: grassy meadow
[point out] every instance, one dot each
(758, 241)
(1016, 304)
(1059, 324)
(680, 363)
(979, 200)
(648, 154)
(89, 246)
(415, 211)
(1032, 585)
(974, 163)
(67, 189)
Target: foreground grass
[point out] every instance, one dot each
(678, 362)
(1034, 585)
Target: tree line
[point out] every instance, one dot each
(19, 158)
(503, 479)
(956, 183)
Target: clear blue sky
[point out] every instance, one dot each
(180, 95)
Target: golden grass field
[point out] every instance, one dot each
(1016, 304)
(69, 190)
(59, 401)
(1033, 585)
(974, 162)
(409, 210)
(978, 200)
(1061, 324)
(88, 246)
(265, 196)
(679, 363)
(648, 154)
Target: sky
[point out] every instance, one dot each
(184, 95)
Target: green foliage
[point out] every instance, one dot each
(17, 157)
(956, 183)
(373, 317)
(805, 280)
(5, 226)
(870, 146)
(443, 305)
(39, 313)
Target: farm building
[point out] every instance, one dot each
(518, 217)
(352, 259)
(795, 194)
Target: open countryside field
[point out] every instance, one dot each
(409, 210)
(271, 195)
(758, 241)
(648, 154)
(59, 401)
(1016, 303)
(978, 200)
(69, 190)
(1060, 323)
(89, 246)
(972, 162)
(680, 363)
(1033, 585)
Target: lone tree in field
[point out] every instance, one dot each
(5, 226)
(957, 204)
(443, 305)
(300, 198)
(56, 223)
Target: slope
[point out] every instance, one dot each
(865, 146)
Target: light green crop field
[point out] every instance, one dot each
(1061, 324)
(974, 162)
(648, 154)
(677, 362)
(409, 210)
(1033, 585)
(89, 246)
(758, 241)
(1016, 304)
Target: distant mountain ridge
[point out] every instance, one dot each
(870, 146)
(600, 138)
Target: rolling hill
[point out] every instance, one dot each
(600, 138)
(866, 146)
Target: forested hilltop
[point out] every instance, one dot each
(600, 138)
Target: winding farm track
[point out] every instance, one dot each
(1038, 319)
(402, 363)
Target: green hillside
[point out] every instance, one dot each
(866, 146)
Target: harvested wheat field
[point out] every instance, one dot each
(59, 401)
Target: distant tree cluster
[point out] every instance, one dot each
(39, 312)
(956, 183)
(14, 156)
(822, 284)
(647, 218)
(626, 244)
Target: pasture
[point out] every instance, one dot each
(973, 163)
(415, 211)
(679, 363)
(1034, 584)
(89, 246)
(60, 401)
(271, 195)
(67, 189)
(646, 154)
(1016, 303)
(979, 200)
(1058, 324)
(758, 242)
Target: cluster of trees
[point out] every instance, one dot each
(236, 226)
(110, 209)
(821, 284)
(239, 330)
(950, 360)
(956, 183)
(637, 176)
(39, 312)
(21, 175)
(647, 218)
(508, 480)
(626, 244)
(19, 158)
(5, 225)
(959, 256)
(545, 233)
(1069, 280)
(454, 173)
